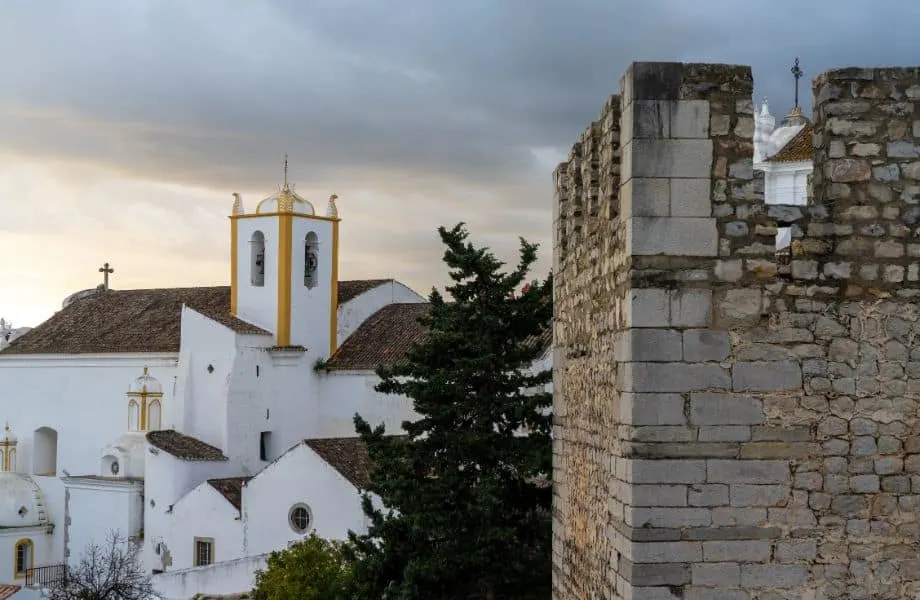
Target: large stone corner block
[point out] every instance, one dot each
(670, 158)
(672, 236)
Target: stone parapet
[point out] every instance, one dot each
(727, 427)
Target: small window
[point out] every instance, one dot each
(265, 445)
(310, 260)
(300, 518)
(784, 250)
(204, 552)
(23, 557)
(257, 266)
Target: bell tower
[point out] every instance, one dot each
(8, 451)
(284, 268)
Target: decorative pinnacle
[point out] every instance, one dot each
(796, 74)
(286, 188)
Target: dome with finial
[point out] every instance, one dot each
(286, 200)
(146, 384)
(9, 438)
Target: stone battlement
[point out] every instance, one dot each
(728, 425)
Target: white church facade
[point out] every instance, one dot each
(209, 425)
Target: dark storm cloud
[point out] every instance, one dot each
(212, 92)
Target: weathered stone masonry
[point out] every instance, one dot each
(724, 432)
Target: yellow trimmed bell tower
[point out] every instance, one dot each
(284, 269)
(8, 450)
(145, 403)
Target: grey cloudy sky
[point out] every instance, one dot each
(125, 124)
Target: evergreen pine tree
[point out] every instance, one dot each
(466, 494)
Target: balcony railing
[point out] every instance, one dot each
(45, 576)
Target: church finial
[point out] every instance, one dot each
(106, 270)
(796, 74)
(286, 187)
(331, 209)
(237, 204)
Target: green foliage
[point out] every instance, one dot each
(310, 569)
(467, 507)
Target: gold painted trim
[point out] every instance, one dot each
(284, 214)
(27, 542)
(234, 265)
(334, 285)
(285, 277)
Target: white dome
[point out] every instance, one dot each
(146, 384)
(22, 503)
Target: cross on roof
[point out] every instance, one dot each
(796, 74)
(106, 270)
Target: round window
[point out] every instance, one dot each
(300, 518)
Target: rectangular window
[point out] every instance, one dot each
(265, 445)
(204, 552)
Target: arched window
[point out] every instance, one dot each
(23, 554)
(12, 463)
(44, 458)
(257, 268)
(134, 416)
(154, 415)
(310, 260)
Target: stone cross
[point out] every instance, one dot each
(106, 270)
(797, 74)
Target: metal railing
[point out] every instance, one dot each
(45, 576)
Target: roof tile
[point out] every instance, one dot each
(184, 447)
(800, 147)
(231, 488)
(141, 320)
(348, 456)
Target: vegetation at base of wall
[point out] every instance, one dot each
(112, 571)
(320, 365)
(467, 505)
(310, 569)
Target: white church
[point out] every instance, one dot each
(210, 425)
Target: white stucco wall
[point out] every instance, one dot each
(786, 183)
(43, 550)
(344, 393)
(354, 312)
(258, 305)
(98, 507)
(311, 308)
(300, 476)
(232, 577)
(202, 513)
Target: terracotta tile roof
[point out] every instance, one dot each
(348, 456)
(231, 488)
(385, 337)
(800, 147)
(356, 287)
(184, 447)
(7, 590)
(141, 320)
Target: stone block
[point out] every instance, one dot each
(702, 345)
(665, 471)
(741, 551)
(651, 119)
(667, 158)
(705, 494)
(773, 576)
(671, 517)
(672, 236)
(691, 308)
(743, 494)
(740, 307)
(727, 574)
(671, 377)
(705, 593)
(724, 433)
(707, 408)
(747, 471)
(642, 197)
(648, 307)
(689, 119)
(658, 574)
(647, 345)
(691, 197)
(766, 376)
(665, 552)
(657, 495)
(652, 409)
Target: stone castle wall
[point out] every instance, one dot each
(724, 431)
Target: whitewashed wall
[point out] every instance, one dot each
(203, 513)
(221, 579)
(311, 308)
(96, 508)
(255, 304)
(300, 476)
(41, 543)
(354, 312)
(344, 393)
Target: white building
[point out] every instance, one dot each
(197, 421)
